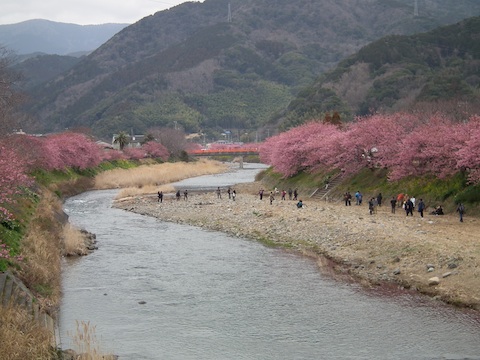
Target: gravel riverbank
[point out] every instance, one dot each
(435, 255)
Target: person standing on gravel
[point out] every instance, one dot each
(421, 207)
(358, 196)
(461, 211)
(290, 193)
(271, 197)
(260, 194)
(379, 199)
(393, 203)
(219, 193)
(409, 207)
(371, 205)
(160, 196)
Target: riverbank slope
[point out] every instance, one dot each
(435, 255)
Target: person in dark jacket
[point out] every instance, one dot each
(379, 199)
(409, 207)
(421, 207)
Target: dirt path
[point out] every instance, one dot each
(413, 252)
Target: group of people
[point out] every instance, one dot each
(408, 203)
(232, 193)
(292, 195)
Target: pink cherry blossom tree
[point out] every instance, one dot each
(12, 180)
(134, 153)
(155, 150)
(468, 156)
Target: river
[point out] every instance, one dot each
(158, 290)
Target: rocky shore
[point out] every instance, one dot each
(435, 255)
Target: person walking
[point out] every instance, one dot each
(185, 195)
(160, 196)
(461, 211)
(234, 194)
(295, 194)
(421, 207)
(290, 193)
(272, 197)
(219, 193)
(229, 192)
(284, 193)
(177, 195)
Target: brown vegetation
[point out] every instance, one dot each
(23, 338)
(42, 249)
(150, 179)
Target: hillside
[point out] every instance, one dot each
(398, 73)
(190, 66)
(51, 37)
(42, 68)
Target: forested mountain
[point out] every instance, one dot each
(400, 72)
(42, 68)
(50, 37)
(205, 69)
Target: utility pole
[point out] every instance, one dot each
(415, 9)
(229, 16)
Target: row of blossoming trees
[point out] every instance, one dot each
(405, 144)
(22, 155)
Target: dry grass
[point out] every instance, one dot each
(74, 241)
(42, 247)
(156, 175)
(21, 337)
(86, 343)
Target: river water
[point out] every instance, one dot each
(158, 290)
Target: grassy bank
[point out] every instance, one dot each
(370, 182)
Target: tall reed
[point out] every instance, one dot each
(156, 175)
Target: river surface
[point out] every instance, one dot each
(158, 290)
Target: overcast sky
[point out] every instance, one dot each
(82, 12)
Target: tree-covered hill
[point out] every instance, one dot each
(400, 72)
(191, 66)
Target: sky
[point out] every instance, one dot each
(82, 12)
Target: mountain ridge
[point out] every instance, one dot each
(190, 65)
(55, 38)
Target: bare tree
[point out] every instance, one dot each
(173, 139)
(9, 96)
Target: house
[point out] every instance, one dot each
(134, 141)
